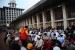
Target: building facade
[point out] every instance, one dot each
(8, 14)
(48, 13)
(2, 17)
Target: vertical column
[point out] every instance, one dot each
(26, 22)
(38, 21)
(64, 16)
(33, 21)
(20, 24)
(52, 18)
(29, 22)
(6, 15)
(11, 14)
(44, 19)
(23, 23)
(0, 14)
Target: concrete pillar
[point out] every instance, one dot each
(26, 22)
(44, 20)
(29, 22)
(38, 21)
(33, 21)
(11, 14)
(52, 19)
(22, 23)
(64, 16)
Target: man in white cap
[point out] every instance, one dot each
(56, 47)
(39, 43)
(17, 39)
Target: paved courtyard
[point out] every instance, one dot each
(3, 46)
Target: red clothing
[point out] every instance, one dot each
(47, 44)
(23, 34)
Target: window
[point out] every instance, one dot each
(70, 11)
(31, 19)
(35, 19)
(12, 15)
(58, 13)
(7, 15)
(48, 15)
(13, 5)
(2, 18)
(7, 10)
(4, 22)
(10, 21)
(1, 22)
(7, 21)
(12, 10)
(40, 16)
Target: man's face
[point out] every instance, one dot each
(67, 42)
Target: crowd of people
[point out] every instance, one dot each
(47, 39)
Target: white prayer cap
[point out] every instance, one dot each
(38, 37)
(17, 38)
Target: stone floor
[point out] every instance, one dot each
(3, 46)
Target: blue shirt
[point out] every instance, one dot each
(61, 39)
